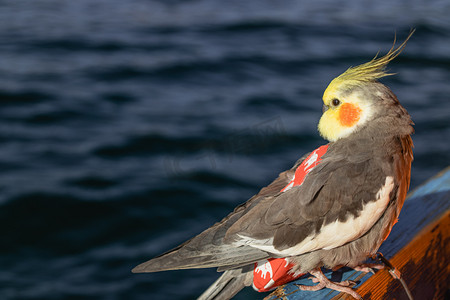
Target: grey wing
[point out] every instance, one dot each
(209, 248)
(334, 193)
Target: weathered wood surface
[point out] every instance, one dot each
(423, 263)
(418, 247)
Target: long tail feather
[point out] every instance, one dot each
(209, 257)
(228, 285)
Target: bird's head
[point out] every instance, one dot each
(355, 97)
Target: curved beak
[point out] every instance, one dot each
(325, 108)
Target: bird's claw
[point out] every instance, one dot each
(369, 268)
(323, 282)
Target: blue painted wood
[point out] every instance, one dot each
(424, 205)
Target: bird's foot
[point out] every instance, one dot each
(366, 268)
(323, 282)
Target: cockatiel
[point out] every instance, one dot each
(333, 208)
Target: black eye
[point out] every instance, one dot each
(335, 102)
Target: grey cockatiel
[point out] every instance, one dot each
(332, 208)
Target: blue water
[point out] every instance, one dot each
(126, 127)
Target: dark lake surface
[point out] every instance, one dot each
(126, 127)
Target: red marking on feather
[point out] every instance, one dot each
(274, 272)
(306, 166)
(349, 114)
(271, 273)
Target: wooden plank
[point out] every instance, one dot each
(427, 204)
(424, 264)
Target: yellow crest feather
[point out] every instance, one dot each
(330, 125)
(370, 71)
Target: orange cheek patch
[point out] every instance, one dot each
(349, 114)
